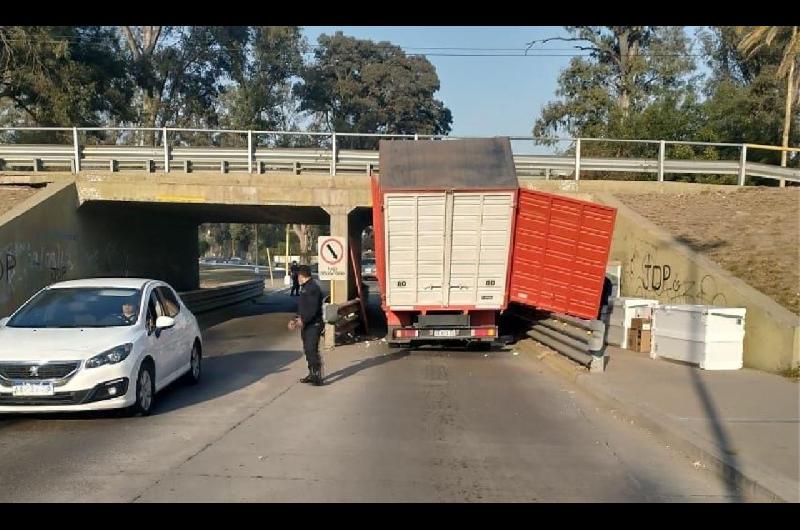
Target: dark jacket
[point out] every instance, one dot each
(309, 306)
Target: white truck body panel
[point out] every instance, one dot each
(446, 249)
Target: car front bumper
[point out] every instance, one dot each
(86, 390)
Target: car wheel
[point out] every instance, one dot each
(145, 391)
(193, 375)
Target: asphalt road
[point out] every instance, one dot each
(390, 425)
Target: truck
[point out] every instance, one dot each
(456, 241)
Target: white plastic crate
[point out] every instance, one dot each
(711, 337)
(623, 311)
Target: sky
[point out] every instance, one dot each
(488, 96)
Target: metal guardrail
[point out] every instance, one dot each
(254, 158)
(203, 300)
(581, 340)
(346, 317)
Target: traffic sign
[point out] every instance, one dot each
(332, 254)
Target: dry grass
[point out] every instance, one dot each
(752, 232)
(10, 196)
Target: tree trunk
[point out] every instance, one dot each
(787, 117)
(624, 71)
(302, 235)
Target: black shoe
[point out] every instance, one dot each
(308, 379)
(316, 379)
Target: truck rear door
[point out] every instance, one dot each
(415, 243)
(448, 249)
(479, 255)
(561, 248)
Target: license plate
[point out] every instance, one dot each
(445, 332)
(32, 389)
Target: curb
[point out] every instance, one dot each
(748, 487)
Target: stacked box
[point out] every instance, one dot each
(624, 310)
(640, 338)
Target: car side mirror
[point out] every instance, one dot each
(4, 321)
(164, 322)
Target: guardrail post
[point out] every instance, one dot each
(578, 159)
(166, 150)
(249, 151)
(742, 165)
(77, 149)
(416, 137)
(661, 149)
(333, 154)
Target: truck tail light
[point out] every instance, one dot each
(404, 333)
(483, 332)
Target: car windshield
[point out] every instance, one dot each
(79, 307)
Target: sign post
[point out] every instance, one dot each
(332, 263)
(332, 259)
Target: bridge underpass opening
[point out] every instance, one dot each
(160, 239)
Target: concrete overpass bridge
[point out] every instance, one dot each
(114, 216)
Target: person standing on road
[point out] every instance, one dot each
(295, 282)
(309, 314)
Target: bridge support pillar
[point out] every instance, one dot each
(339, 288)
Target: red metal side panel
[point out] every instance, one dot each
(561, 248)
(377, 230)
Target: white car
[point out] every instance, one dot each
(97, 344)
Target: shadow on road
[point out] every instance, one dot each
(364, 365)
(223, 375)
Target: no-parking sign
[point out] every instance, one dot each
(332, 254)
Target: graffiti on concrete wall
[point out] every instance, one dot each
(649, 276)
(30, 265)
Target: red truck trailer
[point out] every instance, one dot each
(445, 218)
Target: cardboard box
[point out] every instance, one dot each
(639, 340)
(644, 324)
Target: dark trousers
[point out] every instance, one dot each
(295, 286)
(311, 334)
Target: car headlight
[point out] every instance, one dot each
(113, 356)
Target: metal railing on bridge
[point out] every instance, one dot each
(255, 157)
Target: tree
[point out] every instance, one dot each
(262, 96)
(180, 71)
(627, 69)
(306, 236)
(757, 37)
(63, 75)
(745, 98)
(203, 246)
(242, 236)
(356, 85)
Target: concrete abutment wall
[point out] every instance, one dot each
(656, 266)
(50, 238)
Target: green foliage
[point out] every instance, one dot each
(656, 94)
(63, 75)
(203, 246)
(629, 69)
(357, 85)
(262, 93)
